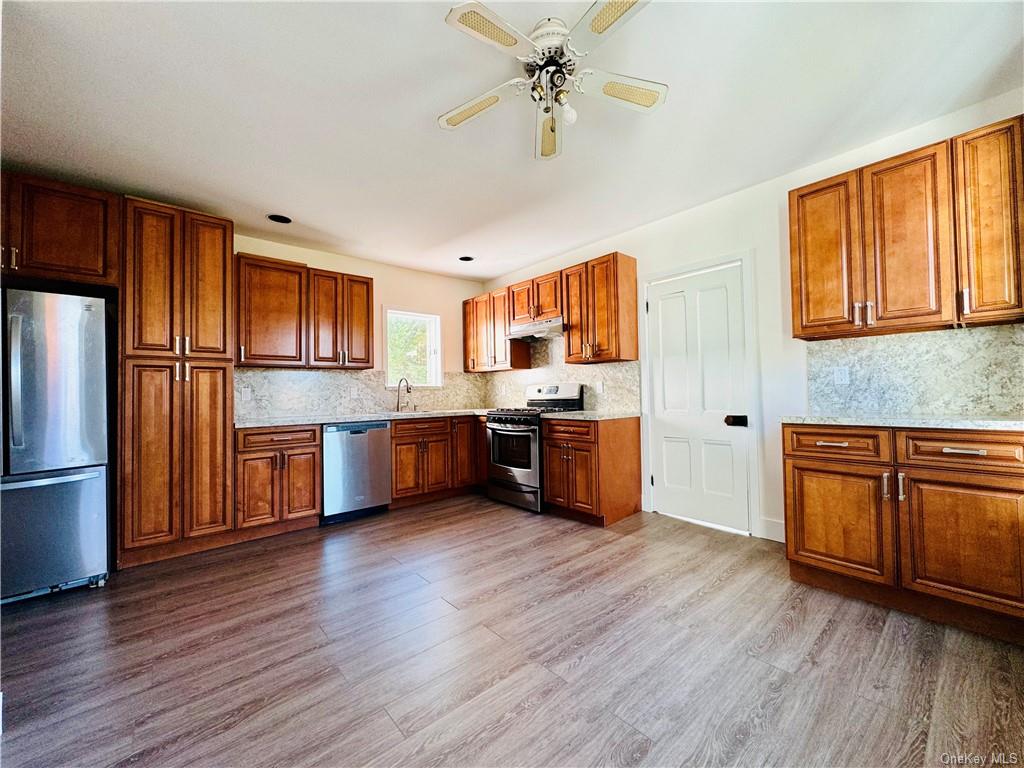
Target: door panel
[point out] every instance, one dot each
(468, 336)
(272, 312)
(555, 471)
(153, 280)
(484, 332)
(583, 478)
(499, 328)
(208, 452)
(520, 302)
(258, 488)
(908, 240)
(463, 451)
(962, 537)
(696, 338)
(326, 318)
(406, 472)
(574, 307)
(840, 517)
(358, 328)
(209, 286)
(826, 256)
(436, 463)
(62, 231)
(547, 296)
(300, 482)
(602, 308)
(151, 453)
(989, 174)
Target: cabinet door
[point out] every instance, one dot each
(582, 477)
(208, 431)
(827, 257)
(326, 318)
(574, 306)
(908, 240)
(483, 333)
(520, 303)
(989, 173)
(300, 482)
(209, 287)
(357, 293)
(962, 537)
(555, 471)
(840, 517)
(151, 453)
(61, 231)
(257, 488)
(547, 296)
(406, 467)
(602, 309)
(468, 336)
(436, 463)
(500, 352)
(153, 280)
(271, 312)
(463, 451)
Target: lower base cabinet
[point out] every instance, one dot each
(432, 456)
(279, 484)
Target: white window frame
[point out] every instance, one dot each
(435, 356)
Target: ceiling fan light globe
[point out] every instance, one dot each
(569, 115)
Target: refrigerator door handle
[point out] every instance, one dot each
(50, 481)
(17, 413)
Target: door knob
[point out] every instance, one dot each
(736, 420)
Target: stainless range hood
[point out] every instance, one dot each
(538, 329)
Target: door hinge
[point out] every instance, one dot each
(647, 306)
(652, 480)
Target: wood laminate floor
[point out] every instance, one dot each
(468, 633)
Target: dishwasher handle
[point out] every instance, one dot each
(357, 427)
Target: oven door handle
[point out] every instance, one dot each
(510, 430)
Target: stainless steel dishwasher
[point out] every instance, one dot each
(357, 468)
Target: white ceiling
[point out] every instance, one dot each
(327, 112)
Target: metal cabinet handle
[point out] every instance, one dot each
(966, 451)
(966, 299)
(344, 357)
(188, 345)
(900, 477)
(284, 460)
(273, 461)
(14, 257)
(827, 444)
(188, 371)
(869, 307)
(241, 356)
(177, 371)
(472, 363)
(885, 486)
(856, 313)
(3, 255)
(177, 345)
(17, 415)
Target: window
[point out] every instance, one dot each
(413, 348)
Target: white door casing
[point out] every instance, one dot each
(697, 349)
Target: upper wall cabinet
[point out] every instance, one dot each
(539, 298)
(271, 312)
(989, 178)
(340, 320)
(484, 327)
(59, 231)
(599, 302)
(178, 282)
(874, 251)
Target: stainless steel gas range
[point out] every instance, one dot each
(513, 441)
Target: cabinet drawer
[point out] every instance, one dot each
(998, 451)
(574, 430)
(406, 427)
(828, 442)
(263, 438)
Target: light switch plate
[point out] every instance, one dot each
(599, 387)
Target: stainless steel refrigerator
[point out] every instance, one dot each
(53, 493)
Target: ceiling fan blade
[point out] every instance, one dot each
(631, 92)
(479, 21)
(475, 107)
(599, 22)
(548, 143)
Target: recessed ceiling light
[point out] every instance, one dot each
(278, 218)
(465, 258)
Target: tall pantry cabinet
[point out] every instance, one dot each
(177, 381)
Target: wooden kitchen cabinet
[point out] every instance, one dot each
(301, 473)
(539, 298)
(483, 451)
(60, 231)
(464, 451)
(437, 454)
(357, 333)
(420, 465)
(600, 310)
(592, 469)
(989, 189)
(279, 484)
(257, 499)
(501, 348)
(485, 325)
(271, 313)
(207, 447)
(340, 320)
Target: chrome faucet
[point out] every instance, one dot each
(408, 391)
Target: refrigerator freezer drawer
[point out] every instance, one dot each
(54, 529)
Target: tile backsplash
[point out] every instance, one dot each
(961, 372)
(263, 392)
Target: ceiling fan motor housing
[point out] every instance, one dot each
(549, 35)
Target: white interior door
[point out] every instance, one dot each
(697, 350)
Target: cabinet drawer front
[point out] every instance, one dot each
(406, 427)
(851, 443)
(999, 451)
(254, 439)
(574, 430)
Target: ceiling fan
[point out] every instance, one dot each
(551, 57)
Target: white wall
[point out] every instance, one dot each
(756, 219)
(394, 287)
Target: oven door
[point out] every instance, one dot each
(514, 453)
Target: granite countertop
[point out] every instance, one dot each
(591, 415)
(340, 418)
(990, 422)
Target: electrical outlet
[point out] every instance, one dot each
(599, 387)
(841, 376)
